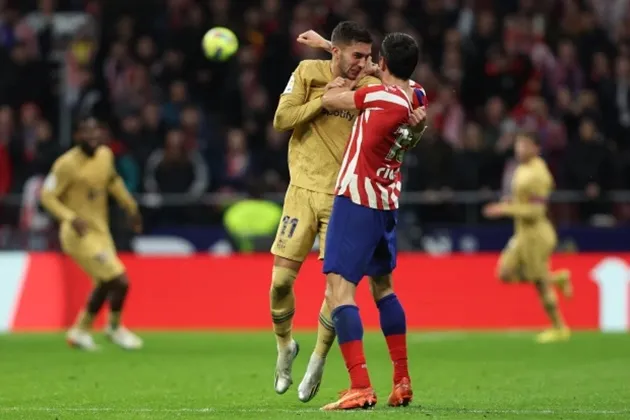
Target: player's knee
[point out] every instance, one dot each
(119, 283)
(505, 274)
(282, 280)
(338, 291)
(381, 286)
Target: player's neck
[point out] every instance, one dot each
(334, 68)
(529, 160)
(390, 80)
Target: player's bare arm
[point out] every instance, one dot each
(124, 198)
(292, 109)
(341, 98)
(534, 208)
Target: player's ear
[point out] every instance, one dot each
(336, 51)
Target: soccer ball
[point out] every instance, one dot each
(219, 44)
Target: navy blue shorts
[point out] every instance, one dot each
(360, 241)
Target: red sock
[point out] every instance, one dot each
(354, 357)
(397, 345)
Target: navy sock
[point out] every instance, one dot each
(347, 323)
(350, 335)
(394, 327)
(392, 315)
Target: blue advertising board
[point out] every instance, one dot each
(434, 239)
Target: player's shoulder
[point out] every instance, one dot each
(416, 85)
(420, 93)
(306, 67)
(539, 165)
(66, 161)
(105, 152)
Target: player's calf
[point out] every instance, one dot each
(282, 302)
(117, 333)
(94, 305)
(345, 313)
(549, 301)
(394, 327)
(79, 335)
(309, 387)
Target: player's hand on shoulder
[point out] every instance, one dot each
(136, 222)
(418, 116)
(80, 226)
(339, 82)
(312, 39)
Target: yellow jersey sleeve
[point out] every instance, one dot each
(293, 108)
(55, 185)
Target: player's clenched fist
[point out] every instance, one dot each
(337, 83)
(418, 116)
(312, 39)
(80, 226)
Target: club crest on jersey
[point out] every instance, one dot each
(92, 194)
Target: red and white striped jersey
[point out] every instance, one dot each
(370, 172)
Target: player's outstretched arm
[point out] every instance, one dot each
(54, 186)
(339, 99)
(535, 209)
(292, 110)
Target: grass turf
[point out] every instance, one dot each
(230, 376)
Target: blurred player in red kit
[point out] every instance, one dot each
(361, 238)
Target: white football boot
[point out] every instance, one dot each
(123, 338)
(80, 339)
(284, 364)
(309, 387)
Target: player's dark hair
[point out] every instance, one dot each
(531, 136)
(401, 54)
(349, 32)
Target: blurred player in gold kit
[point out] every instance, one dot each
(316, 151)
(76, 193)
(527, 255)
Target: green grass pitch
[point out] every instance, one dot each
(230, 376)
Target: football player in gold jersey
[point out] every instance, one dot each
(76, 193)
(315, 154)
(527, 255)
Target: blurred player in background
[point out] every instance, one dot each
(76, 193)
(528, 253)
(315, 153)
(361, 238)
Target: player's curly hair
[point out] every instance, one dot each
(349, 32)
(401, 54)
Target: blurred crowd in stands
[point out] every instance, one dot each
(182, 124)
